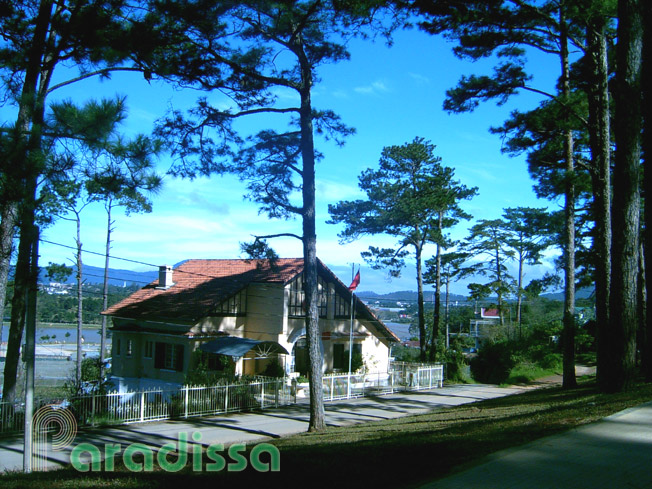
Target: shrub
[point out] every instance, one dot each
(202, 374)
(90, 370)
(493, 363)
(455, 366)
(405, 354)
(356, 361)
(176, 406)
(274, 369)
(552, 361)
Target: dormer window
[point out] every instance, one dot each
(342, 307)
(236, 305)
(297, 297)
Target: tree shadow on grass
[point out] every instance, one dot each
(402, 452)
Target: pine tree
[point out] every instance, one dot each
(412, 197)
(251, 52)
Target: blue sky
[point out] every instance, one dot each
(389, 94)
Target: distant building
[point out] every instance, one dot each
(55, 288)
(412, 344)
(481, 326)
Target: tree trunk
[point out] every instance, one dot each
(448, 281)
(105, 289)
(25, 165)
(18, 308)
(420, 308)
(647, 181)
(599, 133)
(626, 201)
(519, 294)
(641, 335)
(80, 299)
(313, 333)
(499, 282)
(436, 315)
(7, 232)
(568, 332)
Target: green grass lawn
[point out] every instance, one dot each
(403, 452)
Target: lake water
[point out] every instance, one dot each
(401, 330)
(90, 335)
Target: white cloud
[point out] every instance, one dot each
(420, 79)
(374, 88)
(332, 192)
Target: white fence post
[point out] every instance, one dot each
(93, 410)
(142, 406)
(185, 388)
(226, 398)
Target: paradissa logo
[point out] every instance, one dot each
(139, 457)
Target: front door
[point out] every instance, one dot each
(300, 354)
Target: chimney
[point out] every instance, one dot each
(165, 277)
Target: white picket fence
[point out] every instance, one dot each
(189, 401)
(161, 404)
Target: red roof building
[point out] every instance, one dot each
(247, 314)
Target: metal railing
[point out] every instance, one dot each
(417, 376)
(401, 377)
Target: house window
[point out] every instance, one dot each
(322, 287)
(235, 305)
(169, 356)
(117, 348)
(342, 307)
(297, 298)
(130, 347)
(296, 301)
(149, 349)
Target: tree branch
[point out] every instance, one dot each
(559, 101)
(103, 71)
(279, 235)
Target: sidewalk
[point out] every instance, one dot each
(259, 426)
(612, 453)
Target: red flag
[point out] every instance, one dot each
(356, 282)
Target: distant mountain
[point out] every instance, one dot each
(411, 296)
(584, 293)
(119, 277)
(405, 296)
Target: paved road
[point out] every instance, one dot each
(615, 452)
(255, 427)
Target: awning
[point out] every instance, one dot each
(238, 347)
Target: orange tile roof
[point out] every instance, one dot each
(201, 285)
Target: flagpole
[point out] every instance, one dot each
(348, 393)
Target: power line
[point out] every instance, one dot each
(100, 254)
